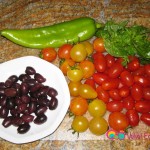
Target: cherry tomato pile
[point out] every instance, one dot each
(99, 83)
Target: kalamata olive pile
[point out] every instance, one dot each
(25, 99)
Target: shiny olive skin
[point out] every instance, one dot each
(10, 92)
(7, 121)
(40, 119)
(23, 128)
(53, 103)
(40, 110)
(38, 77)
(30, 70)
(3, 112)
(24, 77)
(52, 92)
(11, 80)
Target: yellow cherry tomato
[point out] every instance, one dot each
(97, 108)
(87, 92)
(74, 88)
(75, 74)
(89, 47)
(98, 126)
(78, 52)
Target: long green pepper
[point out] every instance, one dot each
(73, 31)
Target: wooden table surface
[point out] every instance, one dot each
(21, 14)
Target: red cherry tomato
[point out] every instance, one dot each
(99, 78)
(136, 92)
(110, 84)
(97, 55)
(128, 103)
(100, 64)
(115, 70)
(114, 94)
(133, 117)
(98, 45)
(142, 80)
(64, 51)
(90, 82)
(147, 69)
(124, 91)
(114, 106)
(127, 78)
(102, 94)
(134, 63)
(139, 71)
(146, 93)
(145, 118)
(142, 106)
(48, 54)
(110, 60)
(118, 121)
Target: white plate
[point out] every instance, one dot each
(54, 78)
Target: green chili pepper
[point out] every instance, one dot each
(73, 31)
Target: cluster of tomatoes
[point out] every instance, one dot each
(98, 82)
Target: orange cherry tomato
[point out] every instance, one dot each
(65, 64)
(87, 68)
(98, 44)
(48, 54)
(64, 51)
(78, 106)
(74, 88)
(118, 121)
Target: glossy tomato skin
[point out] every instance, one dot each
(90, 82)
(114, 94)
(114, 106)
(65, 65)
(142, 106)
(87, 92)
(80, 124)
(97, 108)
(98, 125)
(139, 71)
(75, 74)
(115, 70)
(64, 51)
(136, 92)
(134, 63)
(78, 106)
(99, 78)
(88, 68)
(118, 121)
(97, 55)
(102, 94)
(127, 78)
(133, 117)
(124, 91)
(110, 84)
(128, 103)
(147, 69)
(142, 80)
(78, 52)
(48, 54)
(74, 88)
(100, 64)
(145, 117)
(110, 60)
(98, 45)
(88, 47)
(146, 93)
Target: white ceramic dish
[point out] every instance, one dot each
(54, 78)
